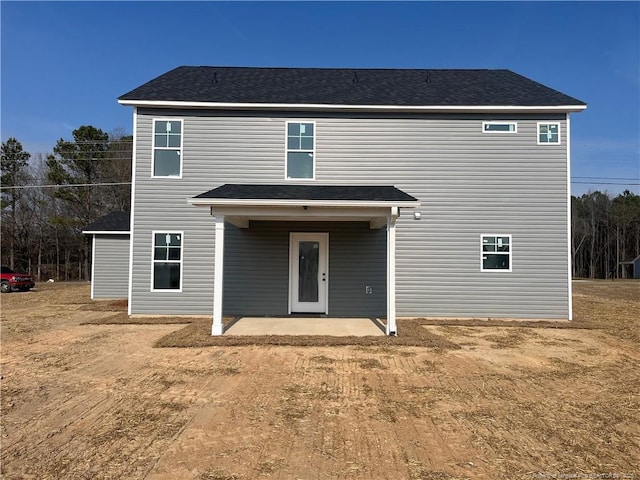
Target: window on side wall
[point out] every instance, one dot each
(300, 150)
(548, 133)
(499, 127)
(167, 148)
(167, 261)
(495, 254)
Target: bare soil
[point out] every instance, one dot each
(469, 400)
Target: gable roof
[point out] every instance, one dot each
(114, 222)
(346, 87)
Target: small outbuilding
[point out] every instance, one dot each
(633, 266)
(110, 237)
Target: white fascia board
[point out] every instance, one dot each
(106, 232)
(227, 202)
(390, 108)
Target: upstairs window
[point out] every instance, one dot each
(495, 253)
(499, 127)
(300, 150)
(548, 133)
(167, 260)
(167, 148)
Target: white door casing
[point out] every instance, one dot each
(308, 272)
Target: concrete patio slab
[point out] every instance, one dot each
(338, 327)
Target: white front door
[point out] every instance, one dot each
(308, 272)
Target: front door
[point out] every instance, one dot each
(309, 272)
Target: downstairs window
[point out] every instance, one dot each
(495, 253)
(167, 261)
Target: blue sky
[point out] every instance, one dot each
(65, 63)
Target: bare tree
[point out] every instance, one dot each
(13, 164)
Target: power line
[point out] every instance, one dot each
(65, 185)
(609, 183)
(607, 178)
(79, 154)
(97, 142)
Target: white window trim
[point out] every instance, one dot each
(153, 147)
(493, 132)
(549, 143)
(153, 261)
(286, 150)
(493, 270)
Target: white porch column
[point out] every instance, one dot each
(218, 279)
(391, 272)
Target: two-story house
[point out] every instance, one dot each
(350, 192)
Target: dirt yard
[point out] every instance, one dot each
(488, 401)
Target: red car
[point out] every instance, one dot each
(15, 281)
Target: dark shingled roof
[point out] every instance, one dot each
(114, 221)
(378, 193)
(348, 86)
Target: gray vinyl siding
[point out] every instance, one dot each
(111, 266)
(257, 268)
(468, 182)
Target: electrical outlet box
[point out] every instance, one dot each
(368, 290)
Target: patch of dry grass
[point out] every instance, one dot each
(418, 471)
(323, 359)
(371, 364)
(198, 334)
(217, 474)
(119, 305)
(124, 319)
(610, 306)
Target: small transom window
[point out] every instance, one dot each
(499, 127)
(495, 252)
(300, 150)
(548, 133)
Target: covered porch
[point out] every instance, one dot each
(305, 249)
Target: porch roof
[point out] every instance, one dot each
(112, 223)
(307, 195)
(239, 204)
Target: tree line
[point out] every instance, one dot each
(47, 200)
(606, 232)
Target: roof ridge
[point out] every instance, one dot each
(381, 69)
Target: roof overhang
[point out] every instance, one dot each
(106, 232)
(239, 211)
(356, 108)
(240, 216)
(229, 202)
